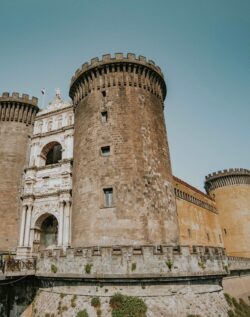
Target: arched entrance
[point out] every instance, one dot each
(48, 227)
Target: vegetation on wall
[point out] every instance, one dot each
(53, 268)
(127, 306)
(237, 308)
(88, 268)
(82, 313)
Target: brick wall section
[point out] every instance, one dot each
(138, 167)
(16, 116)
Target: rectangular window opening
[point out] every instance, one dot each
(104, 116)
(108, 197)
(225, 231)
(105, 150)
(189, 233)
(104, 93)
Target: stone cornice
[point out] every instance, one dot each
(62, 129)
(41, 116)
(230, 177)
(18, 108)
(117, 71)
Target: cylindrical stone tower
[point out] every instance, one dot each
(16, 117)
(122, 179)
(231, 191)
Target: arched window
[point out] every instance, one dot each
(52, 153)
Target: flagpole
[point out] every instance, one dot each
(43, 97)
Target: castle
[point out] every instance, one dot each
(95, 174)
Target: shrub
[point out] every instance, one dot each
(127, 306)
(169, 264)
(82, 313)
(95, 302)
(230, 313)
(53, 268)
(202, 264)
(98, 312)
(88, 268)
(133, 267)
(228, 299)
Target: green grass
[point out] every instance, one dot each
(238, 308)
(95, 302)
(82, 313)
(127, 306)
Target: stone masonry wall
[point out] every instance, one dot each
(13, 156)
(161, 300)
(137, 168)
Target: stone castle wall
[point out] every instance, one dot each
(119, 104)
(16, 118)
(161, 300)
(197, 216)
(231, 192)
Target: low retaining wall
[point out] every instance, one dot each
(164, 300)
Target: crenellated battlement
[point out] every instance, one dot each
(119, 70)
(19, 108)
(227, 177)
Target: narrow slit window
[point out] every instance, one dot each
(220, 238)
(208, 237)
(104, 116)
(189, 233)
(104, 93)
(105, 150)
(225, 230)
(108, 197)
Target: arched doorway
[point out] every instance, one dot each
(48, 226)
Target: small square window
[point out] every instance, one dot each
(108, 197)
(104, 116)
(105, 150)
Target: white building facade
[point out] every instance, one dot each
(47, 181)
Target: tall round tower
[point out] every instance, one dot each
(16, 117)
(122, 179)
(231, 191)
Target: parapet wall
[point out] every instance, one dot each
(19, 108)
(232, 176)
(117, 71)
(133, 262)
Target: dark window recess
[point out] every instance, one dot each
(54, 155)
(220, 238)
(225, 231)
(108, 197)
(104, 116)
(104, 93)
(189, 233)
(105, 150)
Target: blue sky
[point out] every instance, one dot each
(203, 48)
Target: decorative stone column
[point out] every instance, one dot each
(27, 226)
(22, 228)
(66, 222)
(61, 223)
